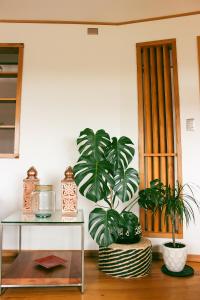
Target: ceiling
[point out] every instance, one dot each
(94, 10)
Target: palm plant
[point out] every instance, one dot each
(176, 203)
(102, 173)
(179, 205)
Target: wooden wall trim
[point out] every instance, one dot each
(18, 102)
(140, 128)
(94, 253)
(198, 51)
(99, 23)
(12, 253)
(9, 155)
(161, 18)
(17, 98)
(156, 43)
(57, 22)
(190, 257)
(162, 234)
(12, 45)
(177, 113)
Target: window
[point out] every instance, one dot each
(11, 59)
(159, 124)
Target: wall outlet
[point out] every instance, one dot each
(190, 124)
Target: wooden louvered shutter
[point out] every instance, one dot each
(159, 125)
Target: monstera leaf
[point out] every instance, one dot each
(120, 153)
(152, 197)
(93, 178)
(129, 220)
(103, 226)
(93, 144)
(126, 183)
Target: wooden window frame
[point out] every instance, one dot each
(17, 99)
(198, 50)
(178, 153)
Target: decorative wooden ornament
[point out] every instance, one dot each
(69, 194)
(29, 185)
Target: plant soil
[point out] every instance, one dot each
(177, 245)
(128, 240)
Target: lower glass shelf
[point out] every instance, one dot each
(23, 271)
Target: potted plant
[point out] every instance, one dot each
(103, 176)
(177, 203)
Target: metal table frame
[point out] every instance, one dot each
(20, 224)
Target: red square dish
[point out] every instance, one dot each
(50, 261)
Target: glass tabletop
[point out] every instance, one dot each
(56, 218)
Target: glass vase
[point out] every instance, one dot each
(43, 201)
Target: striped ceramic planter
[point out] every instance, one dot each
(127, 261)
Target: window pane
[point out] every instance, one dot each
(7, 113)
(7, 140)
(8, 87)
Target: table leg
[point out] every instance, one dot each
(1, 253)
(82, 258)
(20, 237)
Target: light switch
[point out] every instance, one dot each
(190, 124)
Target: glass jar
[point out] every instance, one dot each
(43, 200)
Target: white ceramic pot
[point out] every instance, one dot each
(174, 258)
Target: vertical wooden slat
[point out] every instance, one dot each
(161, 111)
(148, 126)
(177, 118)
(141, 129)
(177, 113)
(155, 125)
(18, 101)
(169, 119)
(169, 114)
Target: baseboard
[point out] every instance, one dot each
(193, 257)
(91, 253)
(190, 257)
(9, 253)
(94, 253)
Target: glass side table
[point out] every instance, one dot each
(24, 272)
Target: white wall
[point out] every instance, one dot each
(72, 81)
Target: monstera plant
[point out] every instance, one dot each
(102, 173)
